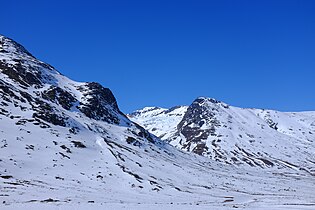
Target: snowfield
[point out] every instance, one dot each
(66, 145)
(256, 137)
(116, 174)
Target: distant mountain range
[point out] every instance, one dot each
(233, 135)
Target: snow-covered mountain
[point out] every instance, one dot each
(234, 135)
(66, 145)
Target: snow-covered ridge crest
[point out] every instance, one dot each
(256, 137)
(160, 121)
(8, 45)
(48, 90)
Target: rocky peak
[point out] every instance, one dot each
(99, 103)
(9, 46)
(202, 110)
(22, 67)
(198, 123)
(50, 94)
(103, 95)
(205, 101)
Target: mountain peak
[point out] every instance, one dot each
(206, 101)
(9, 46)
(146, 110)
(233, 135)
(49, 94)
(21, 67)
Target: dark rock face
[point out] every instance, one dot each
(48, 113)
(26, 72)
(191, 125)
(144, 133)
(35, 93)
(20, 74)
(99, 103)
(7, 94)
(60, 96)
(272, 124)
(22, 67)
(41, 109)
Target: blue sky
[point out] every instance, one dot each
(166, 53)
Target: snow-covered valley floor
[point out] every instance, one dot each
(112, 174)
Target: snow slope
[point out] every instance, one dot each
(66, 145)
(162, 122)
(235, 135)
(111, 173)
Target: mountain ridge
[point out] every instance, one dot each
(228, 134)
(66, 145)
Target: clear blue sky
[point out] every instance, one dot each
(166, 53)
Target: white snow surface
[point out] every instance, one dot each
(238, 135)
(159, 121)
(115, 166)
